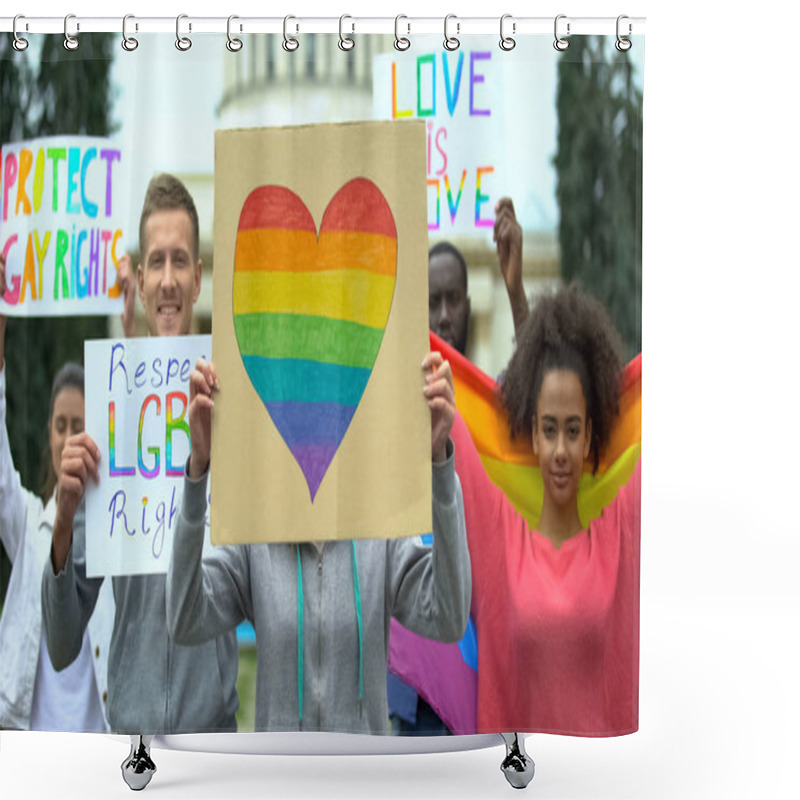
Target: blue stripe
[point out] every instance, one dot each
(278, 380)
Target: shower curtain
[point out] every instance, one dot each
(517, 170)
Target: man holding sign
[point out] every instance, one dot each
(321, 609)
(155, 686)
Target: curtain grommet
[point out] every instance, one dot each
(234, 44)
(70, 42)
(451, 43)
(401, 43)
(129, 43)
(560, 43)
(183, 43)
(290, 44)
(623, 43)
(20, 44)
(507, 42)
(345, 42)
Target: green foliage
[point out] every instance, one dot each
(46, 93)
(599, 167)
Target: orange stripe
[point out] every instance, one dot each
(298, 251)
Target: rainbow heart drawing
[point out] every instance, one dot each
(310, 311)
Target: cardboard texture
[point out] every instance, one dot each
(320, 429)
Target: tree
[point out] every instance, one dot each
(47, 93)
(599, 168)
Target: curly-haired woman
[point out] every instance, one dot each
(556, 608)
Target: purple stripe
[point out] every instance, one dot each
(313, 460)
(439, 674)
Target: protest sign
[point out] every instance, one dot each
(137, 398)
(61, 232)
(457, 95)
(320, 429)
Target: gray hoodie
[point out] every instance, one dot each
(154, 684)
(304, 600)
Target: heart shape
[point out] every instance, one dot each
(310, 311)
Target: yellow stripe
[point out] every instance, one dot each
(298, 251)
(522, 484)
(352, 295)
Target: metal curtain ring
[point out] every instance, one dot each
(70, 42)
(19, 43)
(183, 43)
(506, 42)
(290, 44)
(560, 43)
(623, 44)
(345, 43)
(401, 42)
(451, 42)
(128, 42)
(233, 44)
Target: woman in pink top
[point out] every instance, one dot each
(556, 608)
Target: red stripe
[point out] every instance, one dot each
(359, 206)
(275, 207)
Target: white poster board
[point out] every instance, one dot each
(459, 95)
(62, 202)
(137, 397)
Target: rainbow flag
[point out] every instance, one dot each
(446, 675)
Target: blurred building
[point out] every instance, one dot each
(168, 104)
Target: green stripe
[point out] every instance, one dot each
(300, 336)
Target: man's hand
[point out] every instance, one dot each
(80, 460)
(440, 394)
(126, 281)
(203, 383)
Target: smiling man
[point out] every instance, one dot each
(154, 685)
(170, 270)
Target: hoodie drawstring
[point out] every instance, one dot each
(300, 639)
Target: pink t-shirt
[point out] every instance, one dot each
(558, 629)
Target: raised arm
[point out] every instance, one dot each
(431, 588)
(205, 597)
(14, 500)
(68, 596)
(508, 238)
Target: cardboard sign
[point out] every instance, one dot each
(457, 95)
(137, 398)
(61, 206)
(320, 429)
